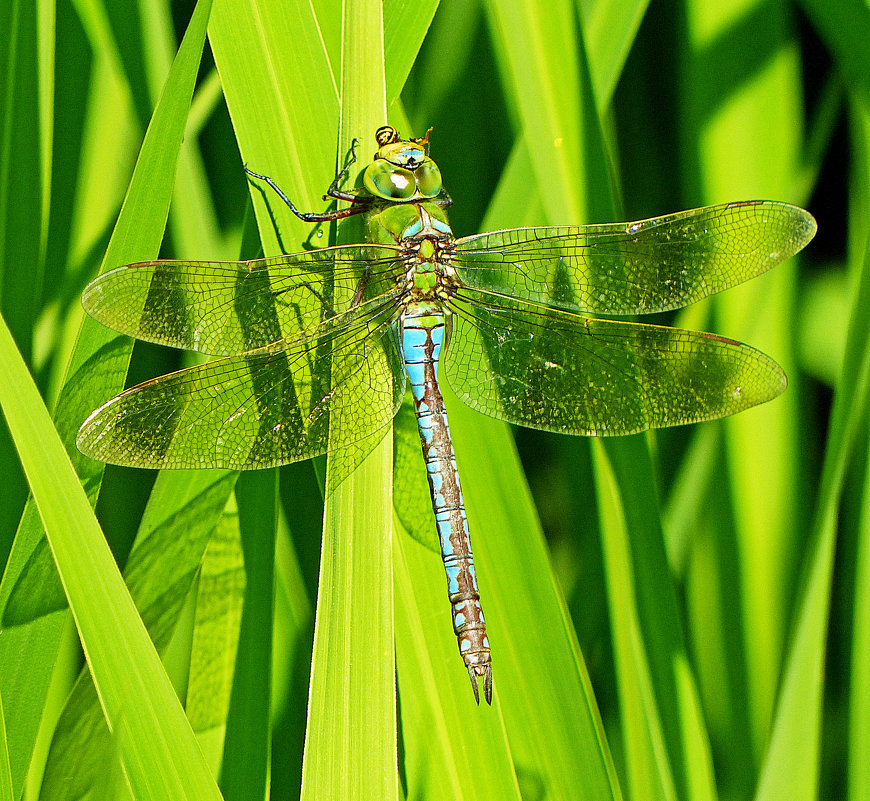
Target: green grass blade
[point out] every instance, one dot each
(212, 652)
(685, 503)
(192, 222)
(283, 102)
(647, 765)
(672, 725)
(539, 53)
(5, 768)
(22, 214)
(244, 770)
(791, 764)
(541, 682)
(286, 127)
(27, 652)
(160, 754)
(436, 699)
(535, 655)
(845, 27)
(859, 695)
(609, 29)
(405, 25)
(441, 66)
(659, 699)
(859, 701)
(746, 139)
(351, 737)
(177, 526)
(351, 740)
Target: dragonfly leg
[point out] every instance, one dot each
(330, 310)
(358, 294)
(334, 191)
(314, 216)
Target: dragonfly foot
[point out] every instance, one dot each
(476, 672)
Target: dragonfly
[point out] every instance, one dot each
(314, 349)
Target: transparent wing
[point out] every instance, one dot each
(411, 495)
(259, 409)
(636, 268)
(222, 308)
(558, 371)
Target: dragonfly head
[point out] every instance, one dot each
(402, 170)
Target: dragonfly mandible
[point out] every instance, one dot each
(315, 347)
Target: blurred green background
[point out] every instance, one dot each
(683, 615)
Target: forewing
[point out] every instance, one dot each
(636, 268)
(558, 371)
(222, 308)
(260, 409)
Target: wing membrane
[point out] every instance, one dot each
(259, 409)
(636, 268)
(222, 308)
(558, 371)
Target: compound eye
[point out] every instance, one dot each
(387, 181)
(428, 178)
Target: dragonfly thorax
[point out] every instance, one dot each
(427, 248)
(430, 276)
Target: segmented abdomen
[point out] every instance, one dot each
(422, 337)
